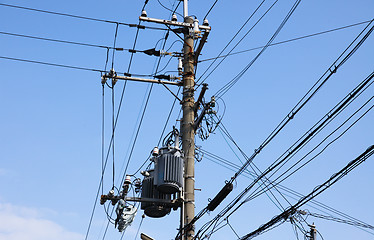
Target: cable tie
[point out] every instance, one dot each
(141, 27)
(132, 50)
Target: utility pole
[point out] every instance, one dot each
(187, 128)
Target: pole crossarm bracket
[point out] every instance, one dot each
(142, 80)
(174, 23)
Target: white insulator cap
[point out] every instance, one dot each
(196, 26)
(174, 18)
(144, 13)
(127, 179)
(205, 22)
(155, 151)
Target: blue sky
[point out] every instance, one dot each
(51, 117)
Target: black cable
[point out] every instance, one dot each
(231, 83)
(114, 45)
(60, 41)
(232, 39)
(172, 12)
(52, 64)
(316, 191)
(300, 143)
(210, 9)
(80, 17)
(348, 52)
(64, 66)
(275, 182)
(233, 167)
(112, 137)
(289, 40)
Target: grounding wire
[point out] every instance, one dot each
(289, 40)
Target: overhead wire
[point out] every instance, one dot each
(232, 82)
(295, 147)
(287, 41)
(60, 41)
(276, 181)
(142, 116)
(338, 63)
(210, 9)
(236, 34)
(80, 17)
(314, 193)
(112, 137)
(321, 207)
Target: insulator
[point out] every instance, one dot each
(127, 179)
(196, 28)
(180, 66)
(144, 13)
(205, 22)
(155, 151)
(174, 18)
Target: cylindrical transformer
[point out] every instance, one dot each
(169, 170)
(154, 210)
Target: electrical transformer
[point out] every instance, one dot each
(154, 210)
(168, 175)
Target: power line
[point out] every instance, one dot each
(51, 64)
(236, 34)
(318, 205)
(342, 58)
(316, 191)
(80, 17)
(295, 147)
(289, 40)
(61, 41)
(210, 9)
(64, 66)
(231, 83)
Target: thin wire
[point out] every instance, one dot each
(80, 17)
(210, 9)
(52, 64)
(170, 9)
(232, 39)
(59, 41)
(137, 232)
(233, 167)
(287, 41)
(231, 83)
(114, 45)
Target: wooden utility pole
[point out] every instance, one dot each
(187, 128)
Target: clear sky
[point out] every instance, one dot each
(51, 117)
